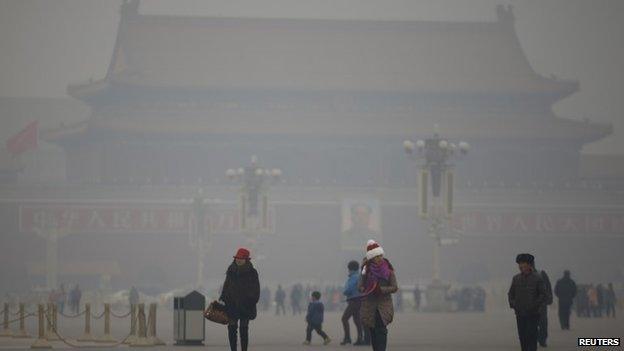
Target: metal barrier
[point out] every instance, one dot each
(41, 342)
(6, 330)
(142, 329)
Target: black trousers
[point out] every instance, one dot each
(379, 334)
(542, 328)
(527, 331)
(352, 310)
(366, 335)
(318, 328)
(244, 333)
(565, 309)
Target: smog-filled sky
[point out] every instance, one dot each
(47, 45)
(314, 133)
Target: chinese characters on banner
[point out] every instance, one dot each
(483, 222)
(165, 219)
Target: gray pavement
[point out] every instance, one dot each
(410, 331)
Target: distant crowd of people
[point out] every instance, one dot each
(61, 298)
(469, 298)
(71, 299)
(595, 301)
(298, 296)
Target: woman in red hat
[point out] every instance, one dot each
(240, 293)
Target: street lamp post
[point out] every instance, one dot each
(435, 156)
(255, 182)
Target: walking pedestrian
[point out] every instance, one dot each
(133, 296)
(295, 299)
(265, 298)
(376, 284)
(280, 297)
(592, 297)
(241, 292)
(610, 301)
(600, 294)
(582, 301)
(417, 297)
(314, 318)
(75, 296)
(527, 296)
(61, 297)
(565, 290)
(353, 304)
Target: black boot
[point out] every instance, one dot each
(232, 331)
(345, 341)
(244, 338)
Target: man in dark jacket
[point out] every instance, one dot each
(542, 325)
(527, 296)
(280, 297)
(565, 290)
(295, 298)
(241, 292)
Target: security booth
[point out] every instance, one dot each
(188, 319)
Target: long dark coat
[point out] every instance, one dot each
(378, 301)
(241, 291)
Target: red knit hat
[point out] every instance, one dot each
(373, 249)
(243, 254)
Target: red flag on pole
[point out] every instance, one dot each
(25, 140)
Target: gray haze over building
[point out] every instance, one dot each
(171, 133)
(47, 45)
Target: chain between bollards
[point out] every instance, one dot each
(22, 333)
(107, 337)
(141, 338)
(41, 342)
(67, 342)
(6, 330)
(133, 329)
(51, 322)
(86, 336)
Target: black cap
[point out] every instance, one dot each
(353, 265)
(525, 257)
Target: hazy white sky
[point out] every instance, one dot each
(47, 44)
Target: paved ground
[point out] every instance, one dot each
(410, 331)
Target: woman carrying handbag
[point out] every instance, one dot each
(240, 294)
